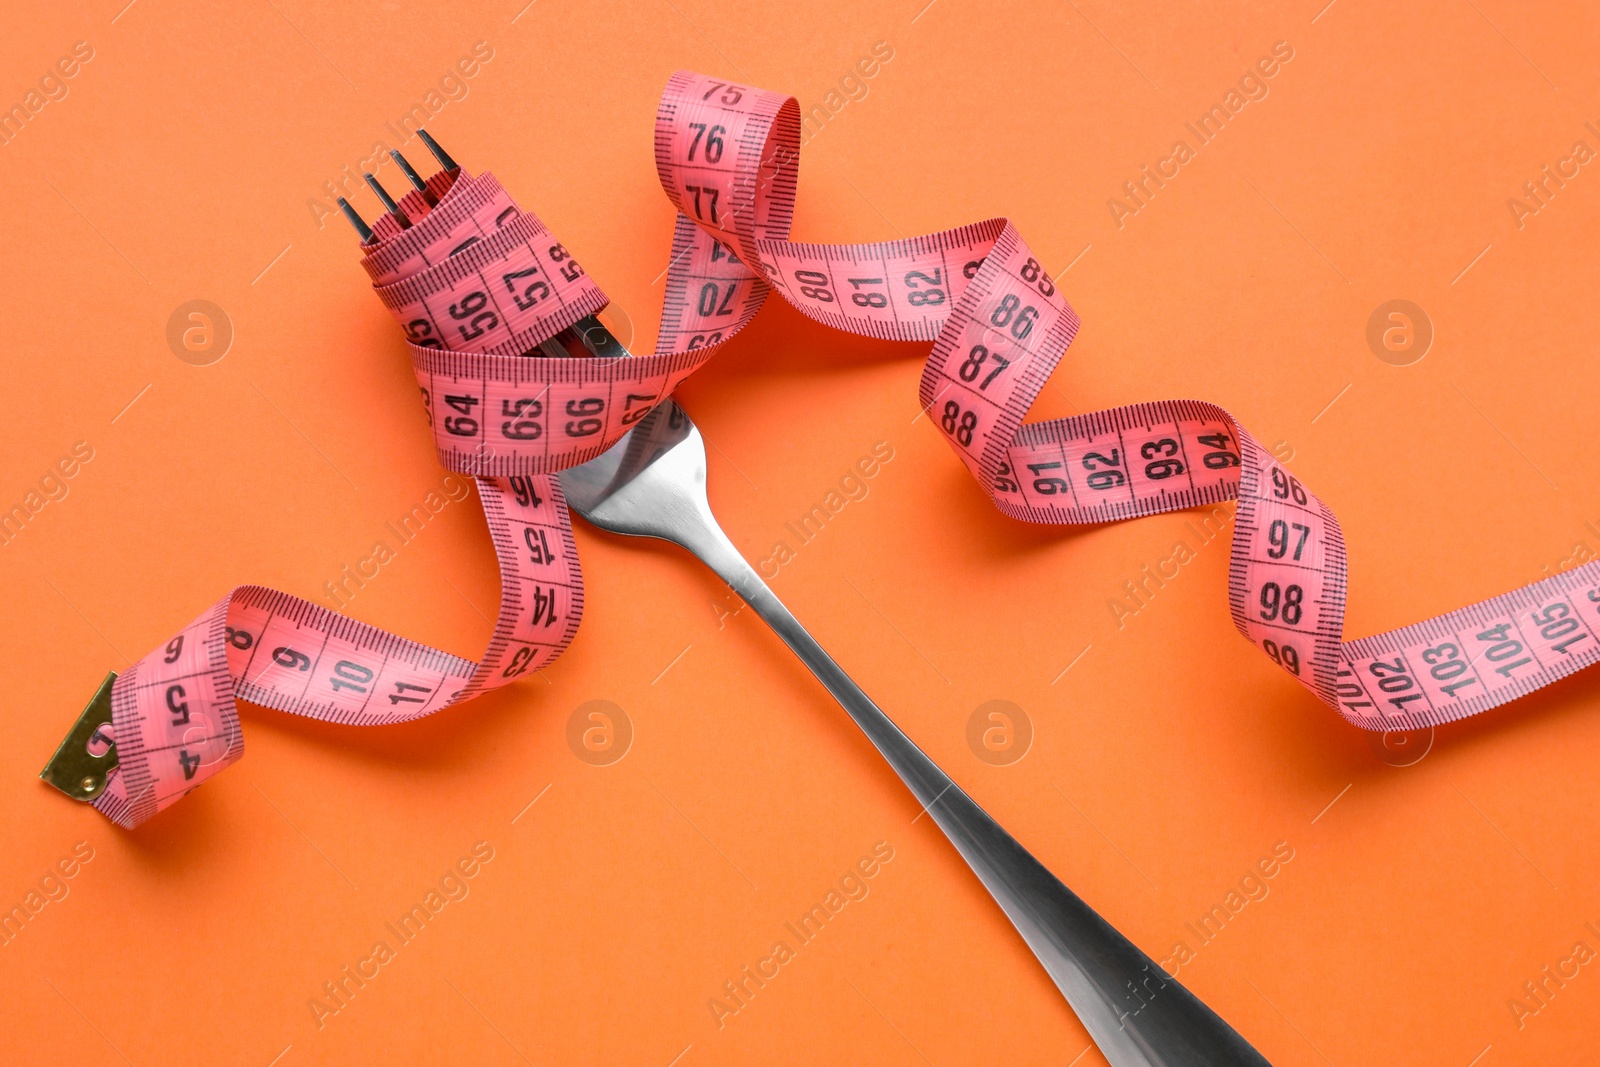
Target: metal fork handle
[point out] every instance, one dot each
(1135, 1012)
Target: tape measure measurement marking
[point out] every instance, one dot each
(479, 286)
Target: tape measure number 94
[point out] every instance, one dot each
(499, 318)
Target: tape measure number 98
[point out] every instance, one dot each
(480, 286)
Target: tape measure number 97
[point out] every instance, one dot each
(500, 320)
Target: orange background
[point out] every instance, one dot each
(1165, 763)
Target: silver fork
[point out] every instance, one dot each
(652, 483)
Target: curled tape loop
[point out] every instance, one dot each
(478, 285)
(999, 327)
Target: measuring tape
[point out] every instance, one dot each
(479, 285)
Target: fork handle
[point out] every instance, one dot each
(1135, 1012)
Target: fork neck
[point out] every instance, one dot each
(706, 540)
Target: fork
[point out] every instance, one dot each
(652, 483)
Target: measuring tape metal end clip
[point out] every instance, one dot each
(84, 761)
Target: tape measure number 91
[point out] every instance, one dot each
(510, 361)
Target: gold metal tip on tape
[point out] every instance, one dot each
(74, 769)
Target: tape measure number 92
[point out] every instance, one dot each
(479, 286)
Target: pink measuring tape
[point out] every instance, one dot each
(480, 285)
